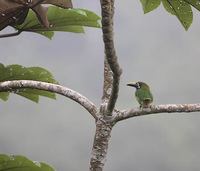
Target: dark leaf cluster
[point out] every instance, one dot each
(18, 72)
(14, 12)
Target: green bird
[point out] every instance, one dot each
(142, 94)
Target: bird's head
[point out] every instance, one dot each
(138, 85)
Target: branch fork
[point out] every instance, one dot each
(107, 115)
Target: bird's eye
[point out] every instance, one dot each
(138, 85)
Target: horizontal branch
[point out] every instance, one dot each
(168, 108)
(55, 88)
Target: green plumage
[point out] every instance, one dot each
(142, 94)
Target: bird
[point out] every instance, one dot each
(143, 94)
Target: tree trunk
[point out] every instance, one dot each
(100, 146)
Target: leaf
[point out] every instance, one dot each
(48, 34)
(41, 13)
(18, 72)
(14, 12)
(168, 7)
(194, 3)
(29, 96)
(41, 74)
(149, 5)
(33, 94)
(21, 163)
(66, 20)
(181, 9)
(11, 13)
(60, 3)
(4, 96)
(45, 167)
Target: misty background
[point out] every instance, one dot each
(153, 48)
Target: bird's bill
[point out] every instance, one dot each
(132, 85)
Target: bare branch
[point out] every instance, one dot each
(112, 74)
(73, 95)
(107, 85)
(107, 7)
(100, 146)
(168, 108)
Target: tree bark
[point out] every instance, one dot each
(101, 141)
(158, 109)
(112, 70)
(10, 86)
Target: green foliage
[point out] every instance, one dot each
(66, 20)
(18, 72)
(21, 163)
(194, 3)
(180, 8)
(149, 5)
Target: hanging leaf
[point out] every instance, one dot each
(66, 20)
(149, 5)
(4, 96)
(18, 72)
(180, 8)
(194, 3)
(21, 163)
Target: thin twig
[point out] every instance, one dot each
(167, 108)
(73, 95)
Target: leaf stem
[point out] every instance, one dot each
(11, 34)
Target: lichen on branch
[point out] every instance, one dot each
(55, 88)
(158, 109)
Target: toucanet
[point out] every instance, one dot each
(143, 94)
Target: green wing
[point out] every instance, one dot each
(143, 95)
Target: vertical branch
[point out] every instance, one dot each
(100, 146)
(112, 72)
(112, 69)
(108, 79)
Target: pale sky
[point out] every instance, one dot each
(153, 48)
